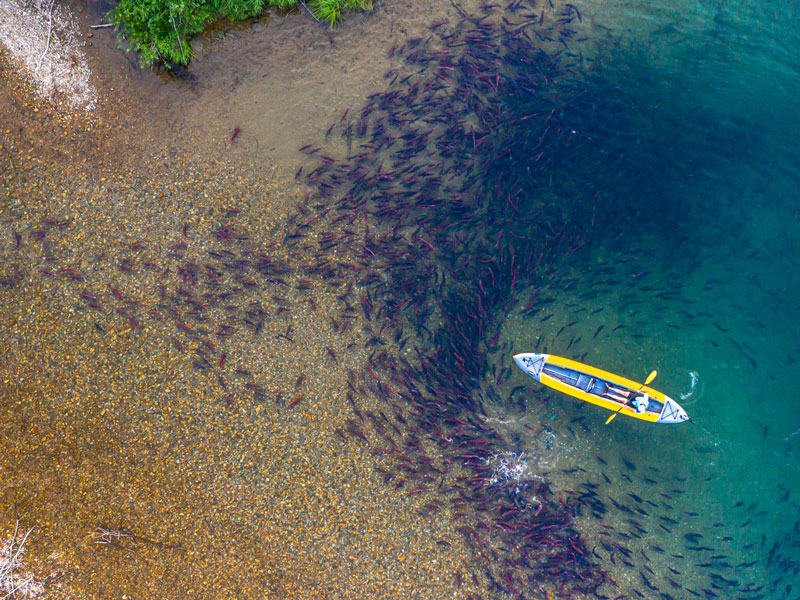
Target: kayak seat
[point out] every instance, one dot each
(568, 376)
(584, 381)
(598, 388)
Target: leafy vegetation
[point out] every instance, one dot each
(161, 30)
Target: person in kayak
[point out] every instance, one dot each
(640, 403)
(619, 394)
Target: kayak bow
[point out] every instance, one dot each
(599, 387)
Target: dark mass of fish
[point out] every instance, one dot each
(492, 154)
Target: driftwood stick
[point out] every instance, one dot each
(176, 33)
(13, 592)
(49, 33)
(101, 26)
(459, 9)
(8, 568)
(21, 544)
(313, 16)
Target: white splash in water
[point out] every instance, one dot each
(510, 467)
(695, 378)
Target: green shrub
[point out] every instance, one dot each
(161, 30)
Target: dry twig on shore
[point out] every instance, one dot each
(113, 538)
(10, 561)
(125, 541)
(49, 33)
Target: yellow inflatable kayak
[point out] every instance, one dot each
(602, 388)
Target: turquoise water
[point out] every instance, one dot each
(717, 87)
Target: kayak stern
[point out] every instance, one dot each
(531, 363)
(672, 412)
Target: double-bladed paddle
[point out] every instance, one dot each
(646, 381)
